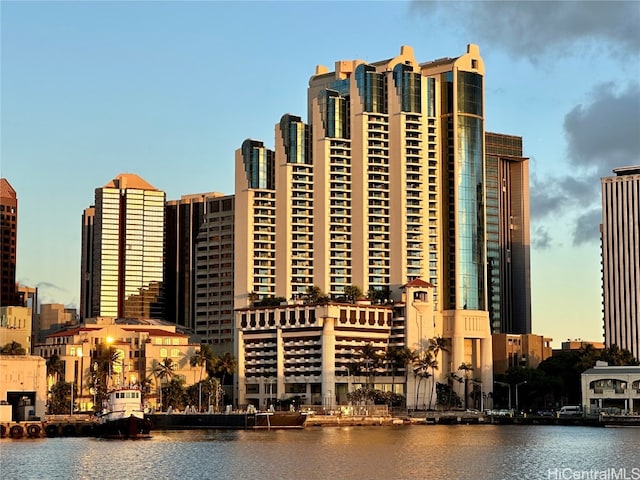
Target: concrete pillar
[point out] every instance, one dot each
(486, 364)
(240, 387)
(279, 363)
(328, 356)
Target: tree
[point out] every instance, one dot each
(270, 302)
(175, 395)
(253, 297)
(225, 365)
(371, 359)
(421, 367)
(55, 367)
(436, 345)
(60, 400)
(352, 293)
(380, 295)
(205, 359)
(466, 369)
(164, 371)
(13, 348)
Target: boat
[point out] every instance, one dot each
(122, 416)
(247, 420)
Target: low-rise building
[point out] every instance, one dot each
(519, 350)
(23, 387)
(139, 347)
(16, 326)
(611, 389)
(319, 353)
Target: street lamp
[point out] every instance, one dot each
(75, 378)
(517, 385)
(508, 386)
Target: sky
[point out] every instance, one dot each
(169, 91)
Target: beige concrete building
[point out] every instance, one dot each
(611, 389)
(52, 317)
(519, 351)
(621, 258)
(141, 346)
(15, 326)
(384, 185)
(23, 386)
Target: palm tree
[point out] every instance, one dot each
(164, 371)
(451, 378)
(466, 369)
(391, 359)
(225, 365)
(436, 345)
(421, 370)
(13, 348)
(203, 358)
(55, 367)
(371, 359)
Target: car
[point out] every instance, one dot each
(545, 413)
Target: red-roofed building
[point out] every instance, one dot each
(139, 349)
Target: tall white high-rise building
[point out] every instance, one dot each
(383, 187)
(621, 258)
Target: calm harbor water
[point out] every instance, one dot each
(408, 452)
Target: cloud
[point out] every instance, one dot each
(534, 28)
(540, 238)
(587, 228)
(49, 286)
(604, 134)
(601, 134)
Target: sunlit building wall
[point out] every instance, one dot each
(126, 268)
(390, 190)
(621, 258)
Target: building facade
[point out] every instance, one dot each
(123, 251)
(140, 347)
(508, 234)
(23, 388)
(199, 266)
(214, 282)
(16, 326)
(608, 389)
(383, 186)
(621, 258)
(524, 350)
(8, 243)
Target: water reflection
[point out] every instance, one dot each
(464, 451)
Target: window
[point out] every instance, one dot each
(175, 352)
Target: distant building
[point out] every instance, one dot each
(199, 266)
(23, 385)
(580, 344)
(52, 317)
(140, 346)
(526, 350)
(508, 234)
(8, 243)
(621, 258)
(122, 251)
(611, 389)
(16, 326)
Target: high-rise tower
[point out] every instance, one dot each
(123, 268)
(508, 234)
(8, 243)
(382, 189)
(621, 258)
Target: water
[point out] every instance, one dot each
(406, 452)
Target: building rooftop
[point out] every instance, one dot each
(631, 170)
(613, 370)
(6, 190)
(130, 180)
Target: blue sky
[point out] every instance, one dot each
(169, 90)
